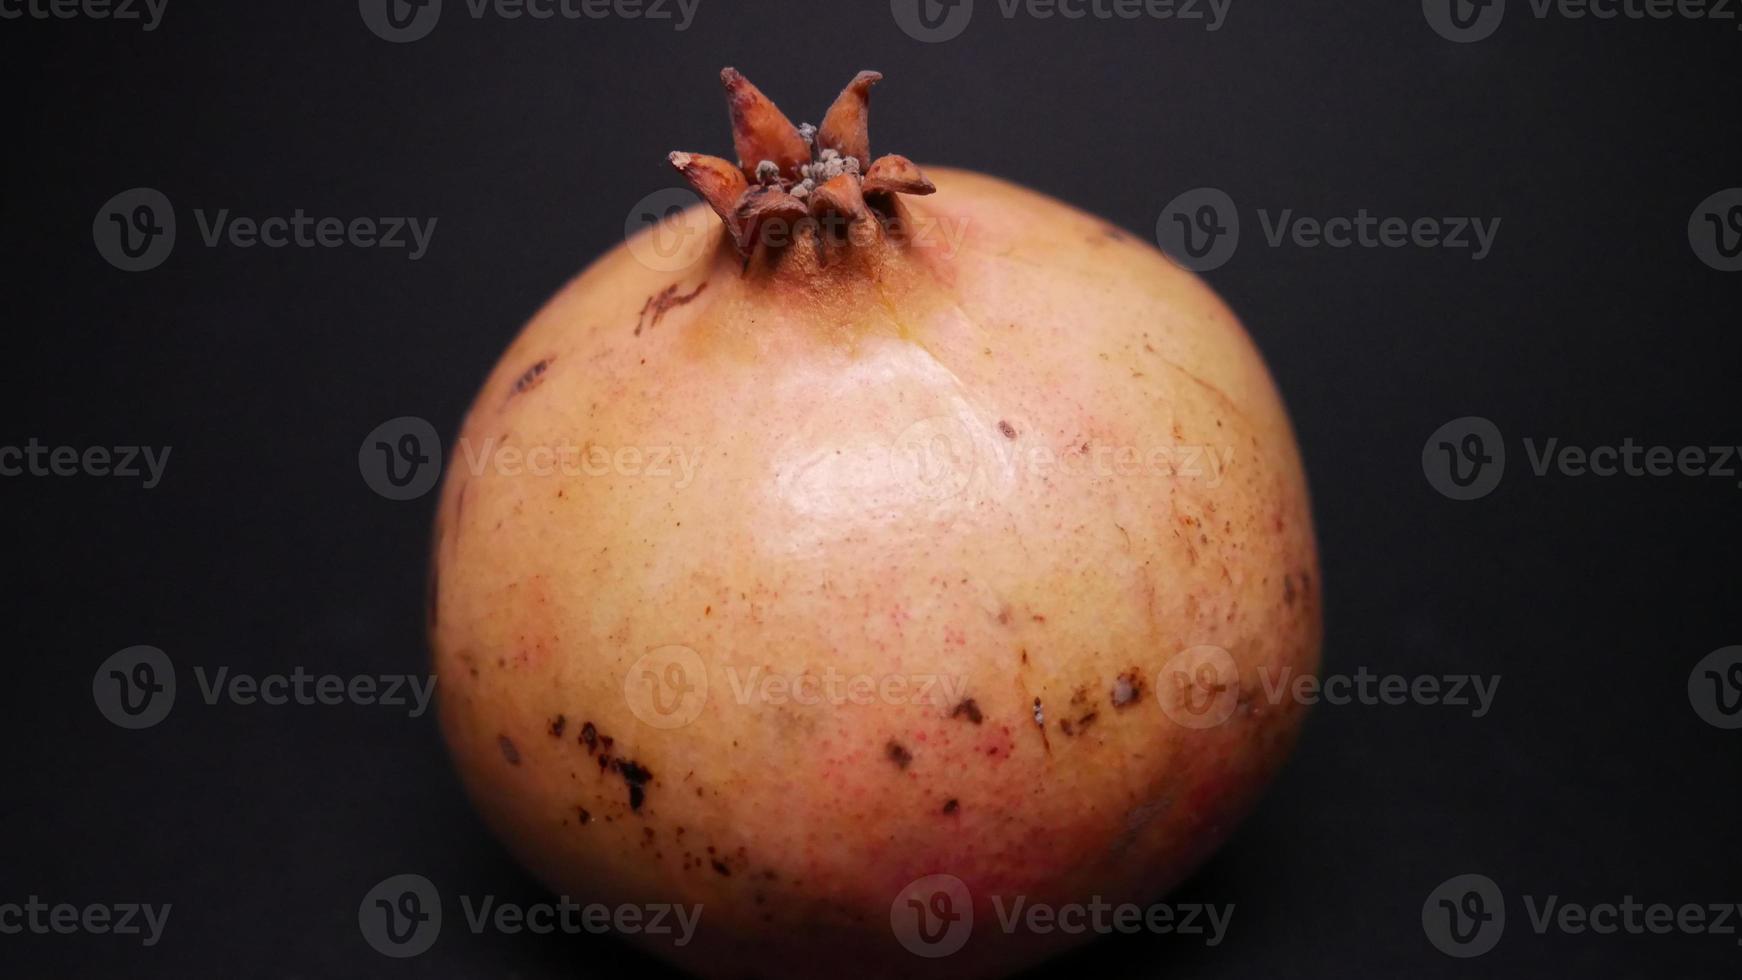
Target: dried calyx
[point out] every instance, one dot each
(787, 173)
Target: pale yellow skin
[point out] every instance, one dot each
(806, 542)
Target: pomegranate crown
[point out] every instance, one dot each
(786, 172)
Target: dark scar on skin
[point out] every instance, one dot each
(530, 377)
(557, 725)
(636, 776)
(951, 807)
(898, 754)
(662, 303)
(589, 737)
(1008, 430)
(968, 709)
(509, 752)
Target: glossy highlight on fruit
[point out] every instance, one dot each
(896, 545)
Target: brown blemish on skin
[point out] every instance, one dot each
(721, 867)
(1008, 429)
(585, 817)
(1127, 689)
(951, 807)
(898, 754)
(662, 303)
(557, 725)
(968, 709)
(1288, 589)
(530, 378)
(589, 737)
(509, 752)
(636, 776)
(1080, 725)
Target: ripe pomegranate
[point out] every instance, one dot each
(868, 561)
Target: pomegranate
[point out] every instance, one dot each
(898, 548)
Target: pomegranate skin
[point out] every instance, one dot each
(978, 558)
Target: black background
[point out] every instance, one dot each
(263, 549)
